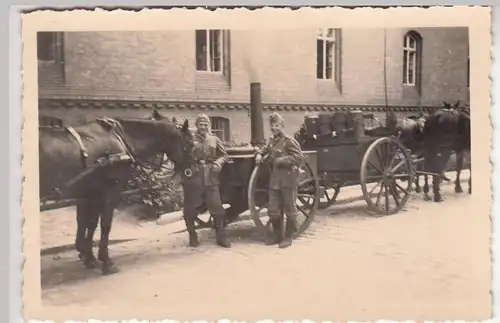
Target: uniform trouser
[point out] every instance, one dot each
(195, 196)
(283, 201)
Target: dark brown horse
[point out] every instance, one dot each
(446, 130)
(91, 162)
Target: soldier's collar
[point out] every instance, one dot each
(278, 136)
(199, 135)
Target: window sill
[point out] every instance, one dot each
(326, 80)
(209, 72)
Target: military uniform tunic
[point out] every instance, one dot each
(201, 180)
(285, 157)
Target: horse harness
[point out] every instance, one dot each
(115, 127)
(83, 151)
(116, 130)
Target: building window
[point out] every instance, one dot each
(46, 46)
(209, 50)
(411, 58)
(50, 47)
(220, 128)
(328, 54)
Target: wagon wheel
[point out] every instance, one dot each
(332, 190)
(387, 165)
(306, 203)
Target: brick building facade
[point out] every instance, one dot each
(86, 74)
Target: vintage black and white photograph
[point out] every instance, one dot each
(316, 171)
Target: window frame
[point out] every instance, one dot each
(415, 62)
(225, 127)
(208, 51)
(56, 47)
(324, 37)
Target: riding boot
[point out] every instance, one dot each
(220, 232)
(275, 236)
(193, 236)
(291, 227)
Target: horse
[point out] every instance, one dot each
(411, 135)
(446, 130)
(92, 161)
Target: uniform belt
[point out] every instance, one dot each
(195, 167)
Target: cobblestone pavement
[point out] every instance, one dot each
(431, 261)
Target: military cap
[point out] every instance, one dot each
(276, 118)
(202, 117)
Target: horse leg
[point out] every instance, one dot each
(108, 209)
(87, 217)
(436, 183)
(92, 220)
(427, 197)
(459, 164)
(81, 229)
(417, 183)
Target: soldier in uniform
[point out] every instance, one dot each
(201, 181)
(285, 159)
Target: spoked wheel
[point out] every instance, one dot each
(307, 197)
(387, 176)
(331, 192)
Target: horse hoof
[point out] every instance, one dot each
(194, 243)
(224, 243)
(427, 198)
(438, 199)
(458, 189)
(109, 269)
(90, 264)
(418, 190)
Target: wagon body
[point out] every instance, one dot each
(244, 186)
(356, 157)
(339, 159)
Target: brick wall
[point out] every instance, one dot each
(161, 66)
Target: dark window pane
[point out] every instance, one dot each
(46, 44)
(412, 43)
(411, 68)
(215, 50)
(405, 67)
(319, 59)
(201, 50)
(329, 59)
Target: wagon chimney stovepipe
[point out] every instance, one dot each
(256, 115)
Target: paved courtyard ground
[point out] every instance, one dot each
(431, 261)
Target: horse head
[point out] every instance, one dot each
(450, 106)
(154, 135)
(182, 154)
